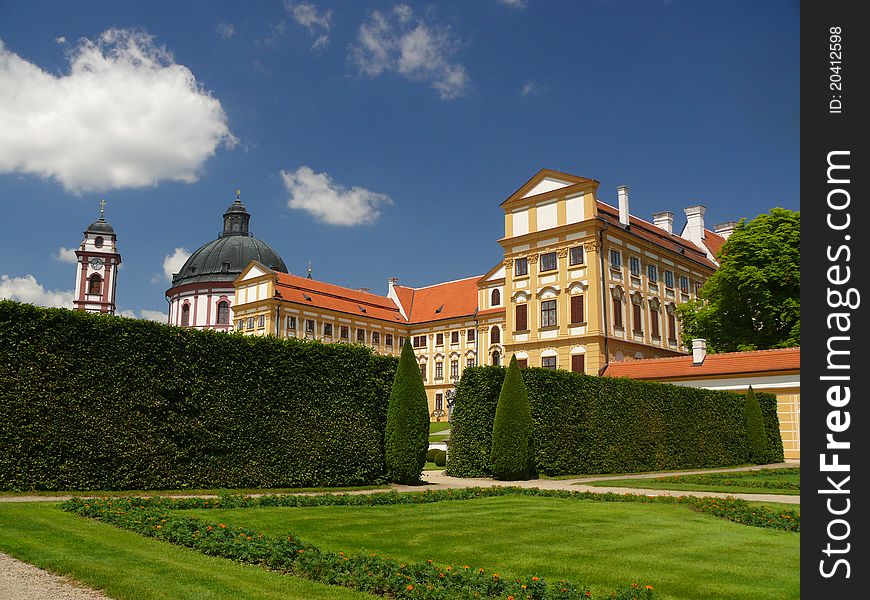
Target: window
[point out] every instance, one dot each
(521, 322)
(454, 369)
(95, 285)
(684, 284)
(240, 325)
(469, 362)
(388, 339)
(523, 363)
(634, 266)
(669, 279)
(309, 325)
(654, 321)
(672, 328)
(419, 341)
(344, 332)
(439, 339)
(376, 338)
(617, 313)
(577, 315)
(250, 322)
(327, 330)
(469, 335)
(401, 341)
(652, 273)
(636, 318)
(494, 335)
(521, 267)
(495, 298)
(291, 323)
(439, 401)
(548, 313)
(98, 241)
(423, 370)
(454, 337)
(548, 362)
(697, 286)
(548, 261)
(361, 336)
(223, 313)
(615, 259)
(439, 370)
(575, 255)
(496, 358)
(185, 315)
(578, 363)
(261, 321)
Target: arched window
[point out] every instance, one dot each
(495, 298)
(223, 312)
(95, 285)
(496, 358)
(494, 335)
(185, 315)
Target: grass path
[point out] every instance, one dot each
(761, 481)
(130, 567)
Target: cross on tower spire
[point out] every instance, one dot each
(102, 208)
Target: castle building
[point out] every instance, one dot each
(202, 292)
(97, 265)
(581, 284)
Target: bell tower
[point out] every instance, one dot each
(97, 267)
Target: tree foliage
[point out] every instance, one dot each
(511, 452)
(753, 300)
(407, 436)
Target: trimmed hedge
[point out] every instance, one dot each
(588, 424)
(757, 437)
(95, 402)
(407, 436)
(511, 451)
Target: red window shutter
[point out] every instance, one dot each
(617, 313)
(578, 363)
(522, 320)
(577, 309)
(654, 323)
(637, 318)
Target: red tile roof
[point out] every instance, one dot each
(490, 311)
(727, 363)
(302, 290)
(441, 301)
(714, 242)
(657, 235)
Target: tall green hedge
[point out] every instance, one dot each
(511, 451)
(407, 436)
(97, 402)
(587, 424)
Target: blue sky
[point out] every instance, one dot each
(375, 139)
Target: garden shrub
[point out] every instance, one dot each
(95, 402)
(407, 435)
(440, 458)
(511, 451)
(430, 454)
(756, 435)
(588, 424)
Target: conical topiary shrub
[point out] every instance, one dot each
(511, 452)
(407, 436)
(755, 432)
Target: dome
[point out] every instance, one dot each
(100, 226)
(224, 258)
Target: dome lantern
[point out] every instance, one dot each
(236, 218)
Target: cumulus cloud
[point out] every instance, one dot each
(67, 255)
(145, 314)
(514, 3)
(172, 263)
(397, 41)
(317, 23)
(125, 115)
(226, 30)
(331, 202)
(530, 88)
(28, 289)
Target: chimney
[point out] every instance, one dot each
(699, 351)
(694, 231)
(622, 194)
(664, 220)
(725, 229)
(391, 282)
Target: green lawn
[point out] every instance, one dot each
(430, 466)
(604, 545)
(764, 481)
(436, 431)
(129, 566)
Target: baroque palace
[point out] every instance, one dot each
(582, 284)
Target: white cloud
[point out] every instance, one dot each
(125, 115)
(397, 41)
(514, 3)
(145, 314)
(331, 202)
(172, 263)
(226, 30)
(67, 255)
(530, 88)
(317, 23)
(28, 289)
